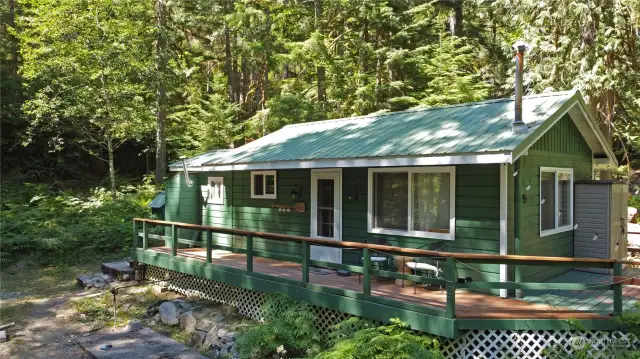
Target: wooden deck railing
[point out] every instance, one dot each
(449, 279)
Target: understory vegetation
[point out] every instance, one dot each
(49, 224)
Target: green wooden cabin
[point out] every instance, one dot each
(463, 178)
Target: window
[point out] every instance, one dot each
(263, 184)
(412, 201)
(215, 190)
(556, 200)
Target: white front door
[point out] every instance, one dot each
(326, 212)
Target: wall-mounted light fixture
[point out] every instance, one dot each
(296, 192)
(186, 173)
(353, 193)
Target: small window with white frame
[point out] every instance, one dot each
(263, 184)
(556, 200)
(215, 190)
(412, 201)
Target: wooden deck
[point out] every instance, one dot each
(468, 305)
(593, 301)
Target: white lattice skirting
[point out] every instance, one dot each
(475, 344)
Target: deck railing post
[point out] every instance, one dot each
(366, 269)
(617, 288)
(249, 253)
(306, 258)
(174, 240)
(209, 244)
(451, 288)
(145, 236)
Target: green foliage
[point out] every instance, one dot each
(49, 222)
(359, 339)
(288, 331)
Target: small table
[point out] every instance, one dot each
(400, 266)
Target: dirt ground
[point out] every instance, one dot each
(40, 301)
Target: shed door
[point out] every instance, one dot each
(326, 213)
(591, 239)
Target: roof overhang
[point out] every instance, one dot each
(461, 159)
(586, 123)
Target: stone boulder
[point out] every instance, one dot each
(197, 338)
(211, 339)
(169, 313)
(187, 322)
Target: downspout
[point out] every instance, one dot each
(517, 221)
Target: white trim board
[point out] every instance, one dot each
(504, 228)
(320, 252)
(484, 158)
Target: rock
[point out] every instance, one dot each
(218, 318)
(187, 322)
(96, 280)
(169, 313)
(197, 338)
(222, 333)
(126, 277)
(204, 325)
(231, 336)
(212, 336)
(227, 309)
(132, 326)
(3, 336)
(159, 289)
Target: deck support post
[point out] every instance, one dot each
(366, 275)
(517, 222)
(617, 288)
(145, 236)
(209, 245)
(249, 253)
(306, 258)
(174, 240)
(452, 279)
(135, 234)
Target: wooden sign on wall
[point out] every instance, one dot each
(298, 207)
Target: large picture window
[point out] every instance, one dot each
(263, 184)
(412, 201)
(556, 200)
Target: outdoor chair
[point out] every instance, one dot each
(378, 258)
(427, 267)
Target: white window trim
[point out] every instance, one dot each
(264, 194)
(411, 233)
(557, 229)
(211, 198)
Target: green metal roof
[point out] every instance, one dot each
(199, 160)
(466, 129)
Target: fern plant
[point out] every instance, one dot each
(357, 338)
(288, 331)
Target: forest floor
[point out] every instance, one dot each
(50, 310)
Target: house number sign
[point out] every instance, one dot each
(298, 207)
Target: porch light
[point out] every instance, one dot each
(295, 192)
(575, 226)
(595, 237)
(515, 173)
(543, 201)
(186, 173)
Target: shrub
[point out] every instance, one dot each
(42, 220)
(357, 338)
(288, 331)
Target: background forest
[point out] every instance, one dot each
(103, 92)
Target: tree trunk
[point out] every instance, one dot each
(227, 63)
(161, 98)
(112, 167)
(320, 70)
(13, 42)
(456, 19)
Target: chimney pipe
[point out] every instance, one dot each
(518, 125)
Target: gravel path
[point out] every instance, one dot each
(48, 331)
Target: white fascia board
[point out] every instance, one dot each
(485, 158)
(593, 125)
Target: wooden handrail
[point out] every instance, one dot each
(539, 260)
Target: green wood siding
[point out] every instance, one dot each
(562, 146)
(183, 203)
(241, 211)
(477, 217)
(477, 212)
